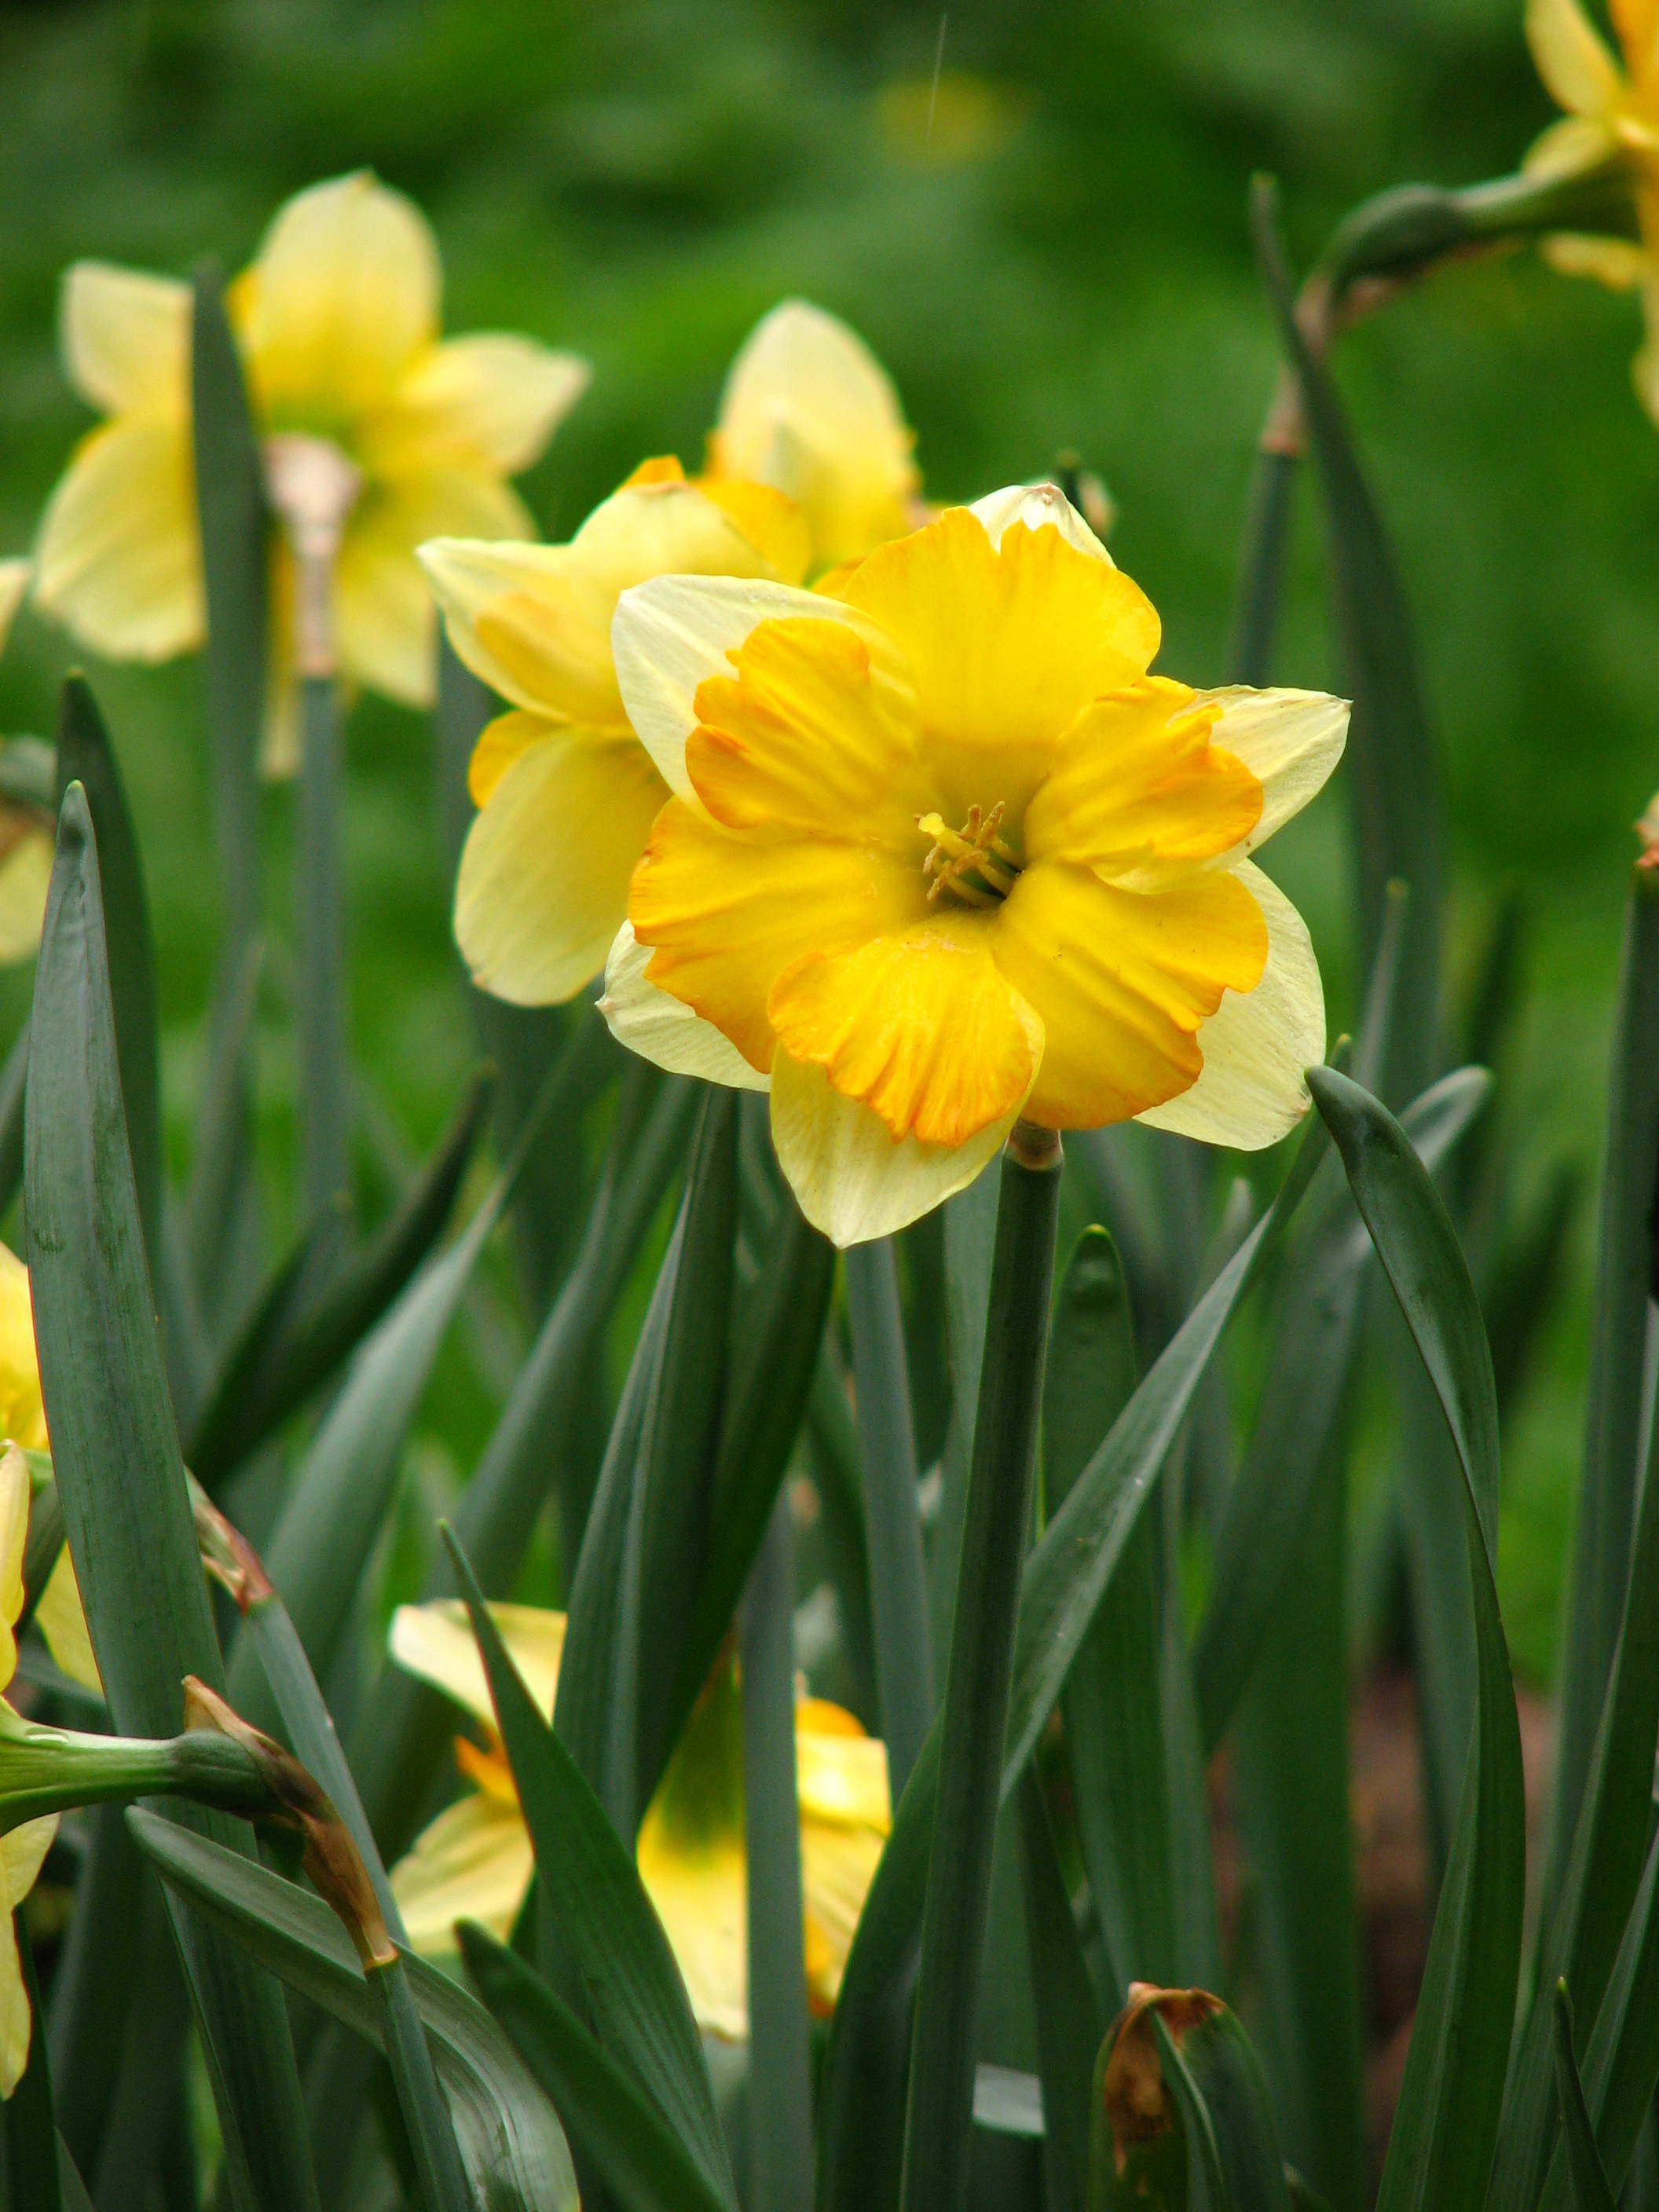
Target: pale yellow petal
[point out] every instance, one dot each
(808, 410)
(1569, 148)
(841, 1778)
(436, 1641)
(14, 1494)
(126, 338)
(1577, 70)
(383, 610)
(837, 1865)
(488, 403)
(529, 621)
(22, 1852)
(341, 297)
(1035, 505)
(63, 1622)
(543, 888)
(117, 560)
(701, 1899)
(664, 1030)
(850, 1180)
(1290, 741)
(473, 1862)
(22, 1414)
(1620, 263)
(25, 872)
(15, 578)
(672, 635)
(1257, 1044)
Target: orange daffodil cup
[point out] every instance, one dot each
(474, 1861)
(1613, 112)
(940, 853)
(337, 323)
(810, 466)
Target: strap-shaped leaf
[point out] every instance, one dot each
(589, 1881)
(119, 1473)
(31, 2132)
(1589, 2178)
(1069, 2023)
(615, 2125)
(284, 1354)
(1208, 2062)
(1445, 2126)
(510, 2138)
(222, 1230)
(14, 1088)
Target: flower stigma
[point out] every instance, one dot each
(974, 864)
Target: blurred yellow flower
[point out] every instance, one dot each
(26, 835)
(565, 792)
(1611, 112)
(22, 1849)
(808, 408)
(474, 1861)
(942, 853)
(337, 321)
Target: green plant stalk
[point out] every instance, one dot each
(975, 1719)
(325, 1105)
(48, 1770)
(887, 1445)
(444, 2184)
(780, 2057)
(31, 2138)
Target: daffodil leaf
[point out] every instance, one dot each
(887, 1449)
(31, 2132)
(1261, 570)
(407, 1725)
(1446, 2123)
(1581, 1939)
(324, 1083)
(72, 2190)
(832, 1446)
(590, 1883)
(14, 1089)
(293, 1342)
(509, 2135)
(1393, 767)
(970, 1220)
(1590, 2179)
(222, 1228)
(119, 1473)
(230, 504)
(1068, 2021)
(1615, 1392)
(642, 2163)
(1216, 2078)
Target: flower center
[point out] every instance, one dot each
(974, 864)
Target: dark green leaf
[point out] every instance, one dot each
(325, 1100)
(970, 1221)
(1261, 568)
(509, 2138)
(118, 1471)
(31, 2132)
(284, 1354)
(222, 1222)
(14, 1091)
(589, 1881)
(1446, 2122)
(832, 1446)
(612, 2123)
(887, 1449)
(72, 2190)
(437, 2159)
(1209, 2065)
(1068, 2025)
(974, 1719)
(1589, 2180)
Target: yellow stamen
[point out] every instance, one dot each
(959, 856)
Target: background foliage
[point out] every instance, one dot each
(1062, 260)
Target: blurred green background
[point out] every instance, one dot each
(1060, 260)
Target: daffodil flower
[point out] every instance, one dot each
(25, 840)
(475, 1862)
(1611, 112)
(941, 853)
(338, 322)
(808, 408)
(24, 1423)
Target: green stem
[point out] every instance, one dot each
(323, 1097)
(46, 1770)
(444, 2184)
(887, 1445)
(977, 1697)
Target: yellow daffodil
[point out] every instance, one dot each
(808, 408)
(942, 853)
(22, 1849)
(1611, 112)
(26, 838)
(475, 1860)
(23, 1422)
(337, 321)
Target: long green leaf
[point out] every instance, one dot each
(970, 1223)
(325, 1100)
(1068, 2024)
(1614, 1396)
(221, 1209)
(439, 2168)
(31, 2132)
(1445, 2127)
(118, 1471)
(1589, 2180)
(1209, 2065)
(974, 1719)
(283, 1355)
(589, 1881)
(640, 2160)
(887, 1447)
(510, 2138)
(14, 1091)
